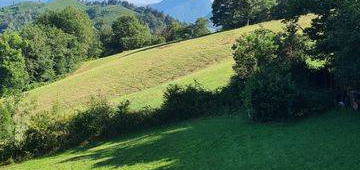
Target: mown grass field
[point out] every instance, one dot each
(141, 71)
(329, 141)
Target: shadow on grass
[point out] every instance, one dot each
(229, 142)
(175, 147)
(146, 149)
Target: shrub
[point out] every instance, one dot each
(125, 121)
(6, 121)
(12, 129)
(45, 134)
(253, 51)
(270, 95)
(90, 122)
(184, 103)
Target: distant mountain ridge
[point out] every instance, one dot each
(184, 10)
(11, 2)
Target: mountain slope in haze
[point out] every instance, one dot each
(11, 2)
(184, 10)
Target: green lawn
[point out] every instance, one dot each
(134, 71)
(329, 141)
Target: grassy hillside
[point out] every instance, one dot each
(61, 4)
(145, 69)
(330, 141)
(109, 13)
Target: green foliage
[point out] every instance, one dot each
(90, 122)
(252, 51)
(12, 64)
(171, 32)
(175, 31)
(338, 39)
(74, 22)
(38, 53)
(270, 95)
(184, 103)
(49, 52)
(45, 134)
(7, 110)
(335, 31)
(236, 13)
(277, 80)
(201, 27)
(129, 33)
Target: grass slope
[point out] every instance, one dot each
(330, 141)
(108, 14)
(61, 4)
(134, 71)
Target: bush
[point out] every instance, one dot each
(6, 121)
(185, 103)
(91, 122)
(45, 134)
(125, 121)
(270, 95)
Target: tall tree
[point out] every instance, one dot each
(201, 27)
(336, 30)
(38, 54)
(236, 13)
(75, 22)
(129, 33)
(13, 75)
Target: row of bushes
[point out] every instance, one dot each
(47, 132)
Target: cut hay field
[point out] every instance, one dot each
(325, 142)
(141, 73)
